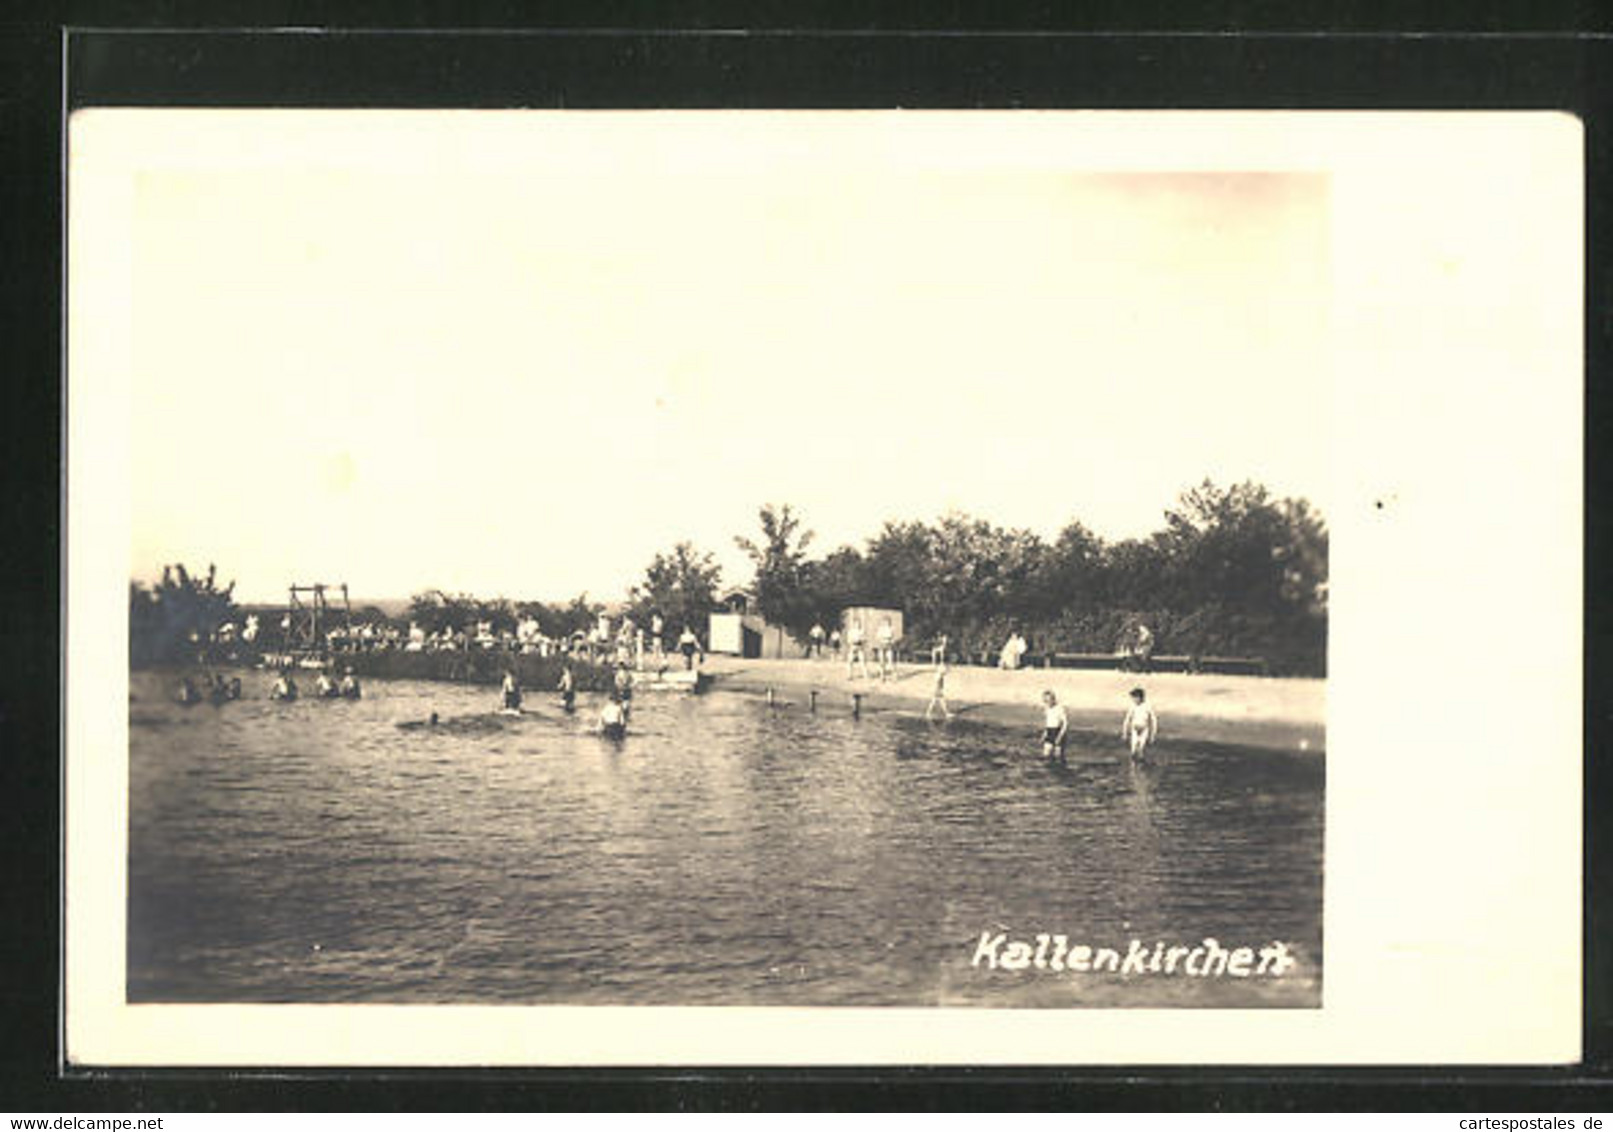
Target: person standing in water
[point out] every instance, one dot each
(512, 691)
(1141, 725)
(624, 690)
(613, 720)
(285, 688)
(568, 688)
(938, 694)
(1055, 727)
(815, 642)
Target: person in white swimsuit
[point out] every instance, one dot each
(1140, 726)
(1055, 727)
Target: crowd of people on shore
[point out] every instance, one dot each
(621, 641)
(609, 641)
(1133, 652)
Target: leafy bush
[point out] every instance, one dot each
(178, 620)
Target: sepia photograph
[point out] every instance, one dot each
(740, 560)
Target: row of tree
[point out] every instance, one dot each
(435, 610)
(1233, 571)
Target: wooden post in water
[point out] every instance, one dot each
(813, 699)
(856, 705)
(770, 697)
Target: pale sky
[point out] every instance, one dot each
(526, 369)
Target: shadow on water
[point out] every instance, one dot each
(725, 852)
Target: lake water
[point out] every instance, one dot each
(726, 853)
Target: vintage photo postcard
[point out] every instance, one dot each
(653, 588)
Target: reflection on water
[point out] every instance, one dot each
(725, 853)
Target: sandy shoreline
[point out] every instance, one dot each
(1269, 713)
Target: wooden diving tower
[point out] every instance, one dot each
(313, 614)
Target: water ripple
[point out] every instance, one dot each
(725, 854)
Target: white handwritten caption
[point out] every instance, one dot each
(1045, 952)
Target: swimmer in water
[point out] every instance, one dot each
(349, 687)
(512, 692)
(613, 720)
(416, 724)
(1055, 727)
(1140, 726)
(285, 688)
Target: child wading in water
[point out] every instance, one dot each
(938, 695)
(1140, 726)
(613, 720)
(623, 693)
(1055, 727)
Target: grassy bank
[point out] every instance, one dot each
(1272, 714)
